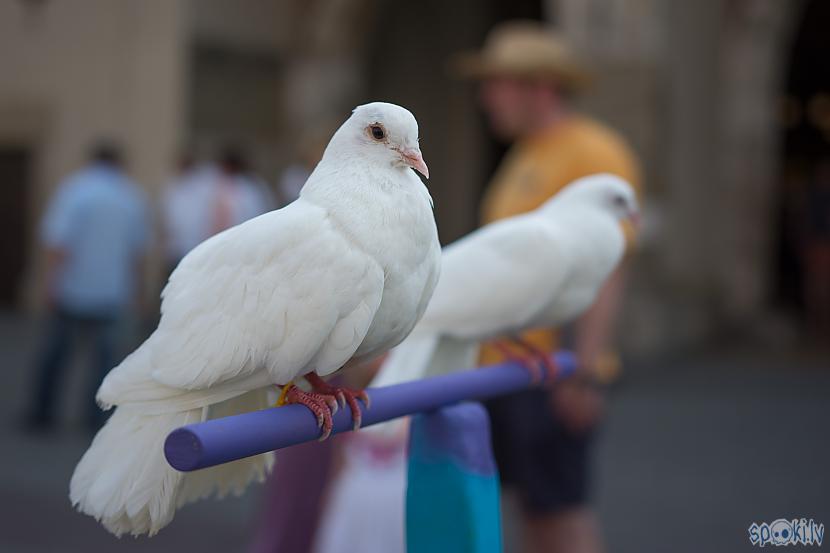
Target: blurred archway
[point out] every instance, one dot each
(805, 130)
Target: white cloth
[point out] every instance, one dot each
(365, 508)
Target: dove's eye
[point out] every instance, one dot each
(377, 132)
(619, 201)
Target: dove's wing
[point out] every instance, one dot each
(497, 279)
(285, 292)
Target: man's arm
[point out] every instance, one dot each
(595, 327)
(55, 234)
(577, 400)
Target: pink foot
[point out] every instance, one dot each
(322, 405)
(537, 362)
(344, 396)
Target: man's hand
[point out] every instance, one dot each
(578, 402)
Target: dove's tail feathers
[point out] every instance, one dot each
(231, 477)
(410, 360)
(426, 355)
(421, 356)
(123, 480)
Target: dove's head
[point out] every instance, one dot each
(603, 191)
(382, 133)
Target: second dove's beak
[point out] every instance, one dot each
(414, 159)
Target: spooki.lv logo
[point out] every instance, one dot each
(798, 531)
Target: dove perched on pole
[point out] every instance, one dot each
(539, 269)
(336, 278)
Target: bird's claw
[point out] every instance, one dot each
(322, 406)
(345, 396)
(537, 362)
(341, 398)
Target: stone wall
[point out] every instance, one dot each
(693, 86)
(71, 72)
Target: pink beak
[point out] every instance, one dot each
(414, 159)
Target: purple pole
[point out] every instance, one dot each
(202, 445)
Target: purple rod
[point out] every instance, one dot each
(217, 441)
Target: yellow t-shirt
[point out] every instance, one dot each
(537, 167)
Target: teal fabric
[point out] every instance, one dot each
(452, 505)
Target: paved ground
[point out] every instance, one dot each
(692, 453)
(695, 451)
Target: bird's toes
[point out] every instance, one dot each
(326, 432)
(332, 404)
(364, 397)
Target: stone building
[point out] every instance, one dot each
(695, 86)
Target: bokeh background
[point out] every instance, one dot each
(721, 415)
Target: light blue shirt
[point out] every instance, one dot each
(99, 218)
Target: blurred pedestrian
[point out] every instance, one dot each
(309, 151)
(95, 232)
(527, 79)
(235, 194)
(183, 224)
(204, 200)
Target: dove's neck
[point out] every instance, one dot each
(372, 202)
(576, 214)
(592, 232)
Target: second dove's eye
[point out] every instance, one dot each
(377, 132)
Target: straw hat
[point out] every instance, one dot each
(524, 49)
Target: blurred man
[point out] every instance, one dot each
(204, 200)
(542, 438)
(183, 224)
(95, 233)
(310, 149)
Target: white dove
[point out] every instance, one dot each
(539, 269)
(337, 277)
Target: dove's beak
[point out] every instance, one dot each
(414, 159)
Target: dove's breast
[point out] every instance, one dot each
(405, 243)
(594, 246)
(386, 214)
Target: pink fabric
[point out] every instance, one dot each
(293, 498)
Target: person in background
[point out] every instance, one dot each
(204, 200)
(96, 232)
(542, 438)
(309, 151)
(183, 224)
(235, 195)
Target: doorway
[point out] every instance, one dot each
(803, 260)
(15, 172)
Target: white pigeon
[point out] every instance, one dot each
(337, 277)
(535, 270)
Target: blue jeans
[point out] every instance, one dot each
(63, 331)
